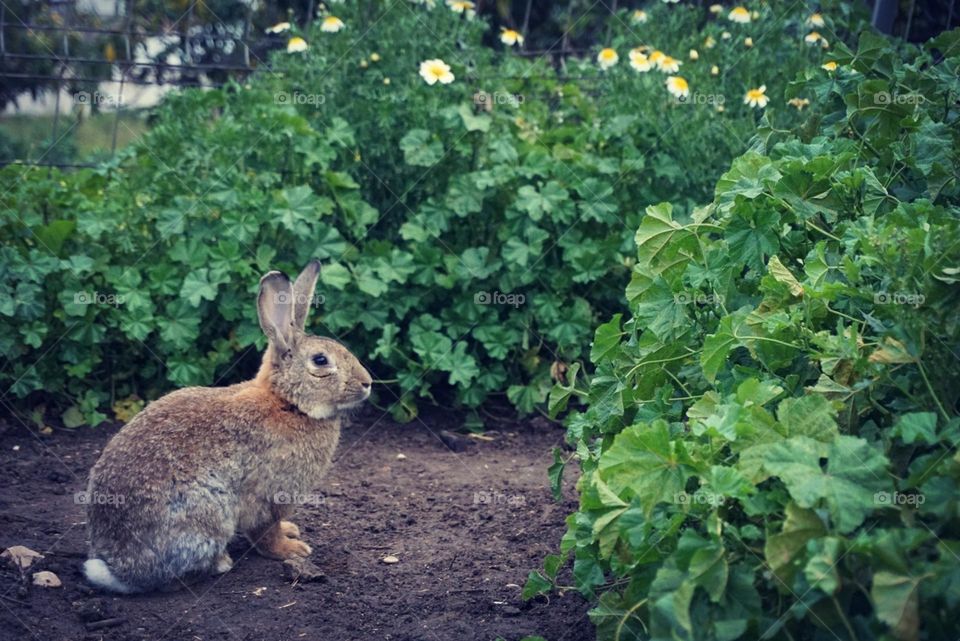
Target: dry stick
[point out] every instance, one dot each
(106, 623)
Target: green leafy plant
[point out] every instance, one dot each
(770, 444)
(473, 233)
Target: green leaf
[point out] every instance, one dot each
(657, 232)
(73, 417)
(536, 585)
(896, 601)
(810, 415)
(197, 286)
(917, 426)
(782, 551)
(606, 340)
(335, 275)
(473, 121)
(419, 149)
(717, 346)
(821, 570)
(647, 462)
(783, 275)
(855, 472)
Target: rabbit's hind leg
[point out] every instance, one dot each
(277, 541)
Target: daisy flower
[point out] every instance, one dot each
(331, 24)
(436, 70)
(678, 87)
(297, 44)
(607, 58)
(461, 6)
(739, 14)
(748, 42)
(714, 70)
(374, 57)
(757, 97)
(639, 60)
(280, 27)
(829, 66)
(670, 1)
(814, 37)
(716, 8)
(668, 64)
(816, 20)
(694, 54)
(656, 56)
(639, 17)
(511, 37)
(725, 35)
(710, 42)
(799, 103)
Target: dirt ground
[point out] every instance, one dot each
(467, 522)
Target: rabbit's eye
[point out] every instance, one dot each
(319, 360)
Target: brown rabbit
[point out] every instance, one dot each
(202, 464)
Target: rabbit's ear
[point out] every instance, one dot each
(303, 290)
(275, 308)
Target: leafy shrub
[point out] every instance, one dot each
(517, 184)
(770, 447)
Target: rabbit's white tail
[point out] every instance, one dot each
(99, 574)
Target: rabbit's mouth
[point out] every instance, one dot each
(363, 395)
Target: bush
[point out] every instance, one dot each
(770, 447)
(473, 233)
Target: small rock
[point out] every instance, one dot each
(390, 559)
(92, 610)
(456, 442)
(509, 611)
(302, 571)
(401, 457)
(46, 579)
(20, 557)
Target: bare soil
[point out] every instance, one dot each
(467, 520)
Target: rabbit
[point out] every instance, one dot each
(202, 464)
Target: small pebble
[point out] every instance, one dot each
(390, 559)
(401, 457)
(46, 579)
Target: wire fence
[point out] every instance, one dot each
(76, 78)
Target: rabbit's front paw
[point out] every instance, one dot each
(223, 564)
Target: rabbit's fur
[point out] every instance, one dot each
(202, 464)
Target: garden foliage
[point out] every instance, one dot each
(473, 233)
(770, 444)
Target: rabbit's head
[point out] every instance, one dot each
(318, 375)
